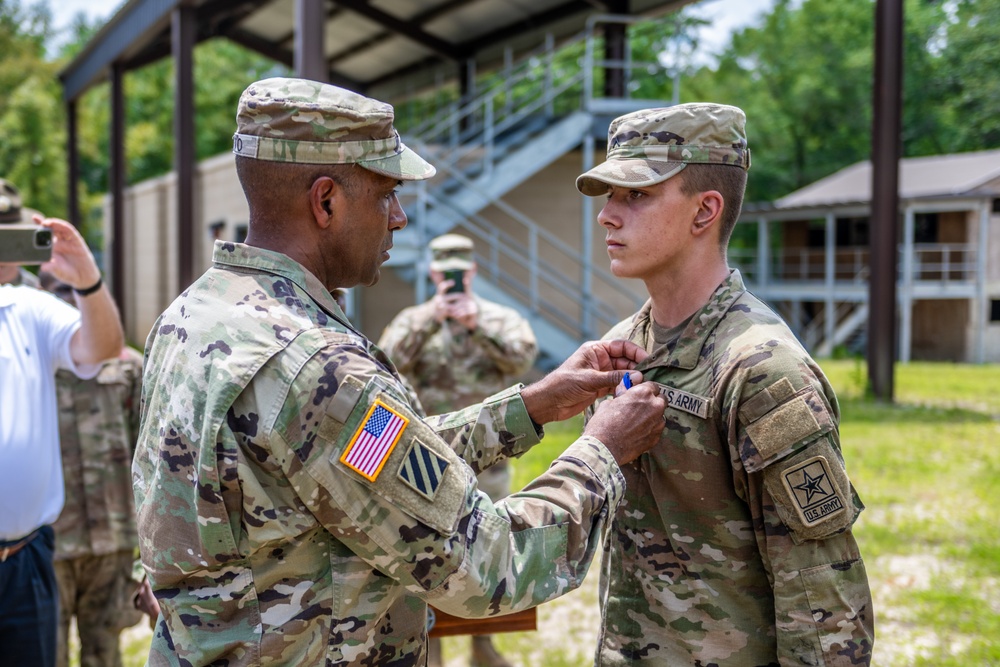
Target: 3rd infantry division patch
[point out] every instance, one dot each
(422, 470)
(813, 490)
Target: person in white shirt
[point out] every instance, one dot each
(38, 335)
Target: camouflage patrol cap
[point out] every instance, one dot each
(649, 146)
(451, 252)
(308, 122)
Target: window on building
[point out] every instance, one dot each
(996, 205)
(852, 232)
(995, 310)
(216, 229)
(241, 233)
(925, 228)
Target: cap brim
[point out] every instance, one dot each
(626, 173)
(404, 166)
(451, 264)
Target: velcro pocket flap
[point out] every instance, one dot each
(785, 427)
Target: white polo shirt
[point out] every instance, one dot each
(35, 333)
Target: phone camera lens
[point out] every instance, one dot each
(43, 238)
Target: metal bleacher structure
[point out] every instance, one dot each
(531, 113)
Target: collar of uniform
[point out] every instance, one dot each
(242, 256)
(688, 349)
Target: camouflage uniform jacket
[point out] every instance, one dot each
(98, 424)
(733, 545)
(451, 367)
(265, 546)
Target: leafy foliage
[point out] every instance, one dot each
(802, 71)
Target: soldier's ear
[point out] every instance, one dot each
(322, 199)
(710, 207)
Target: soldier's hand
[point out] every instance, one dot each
(463, 309)
(593, 371)
(442, 300)
(630, 423)
(144, 600)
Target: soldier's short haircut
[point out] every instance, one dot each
(267, 184)
(728, 181)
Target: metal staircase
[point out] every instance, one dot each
(849, 329)
(526, 117)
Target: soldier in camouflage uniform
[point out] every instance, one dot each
(12, 212)
(456, 349)
(95, 533)
(733, 545)
(292, 507)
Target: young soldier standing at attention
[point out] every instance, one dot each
(733, 545)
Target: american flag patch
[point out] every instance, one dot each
(374, 440)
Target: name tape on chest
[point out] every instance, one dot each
(684, 401)
(374, 440)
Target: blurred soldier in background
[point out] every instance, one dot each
(456, 349)
(96, 538)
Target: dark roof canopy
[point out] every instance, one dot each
(383, 48)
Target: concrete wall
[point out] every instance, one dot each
(150, 243)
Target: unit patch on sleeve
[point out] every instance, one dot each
(374, 440)
(813, 490)
(422, 470)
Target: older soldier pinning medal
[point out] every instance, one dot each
(293, 507)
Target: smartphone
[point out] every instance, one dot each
(25, 244)
(458, 277)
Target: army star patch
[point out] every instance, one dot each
(374, 440)
(813, 490)
(422, 470)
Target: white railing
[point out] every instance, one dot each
(943, 263)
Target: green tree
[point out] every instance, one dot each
(31, 121)
(968, 76)
(804, 77)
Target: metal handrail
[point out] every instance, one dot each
(813, 331)
(468, 134)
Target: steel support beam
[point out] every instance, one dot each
(72, 165)
(614, 50)
(885, 195)
(310, 23)
(183, 37)
(116, 187)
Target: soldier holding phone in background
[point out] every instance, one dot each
(456, 349)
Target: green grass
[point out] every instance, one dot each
(928, 469)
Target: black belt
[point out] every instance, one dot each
(8, 550)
